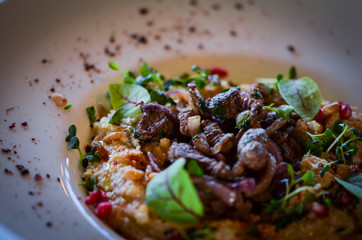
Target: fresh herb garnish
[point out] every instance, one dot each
(303, 94)
(353, 184)
(244, 122)
(161, 98)
(93, 156)
(194, 169)
(340, 137)
(72, 139)
(278, 209)
(90, 184)
(257, 93)
(67, 107)
(173, 196)
(282, 111)
(127, 100)
(114, 66)
(91, 112)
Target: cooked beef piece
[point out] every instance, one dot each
(256, 151)
(155, 125)
(218, 169)
(213, 140)
(276, 125)
(227, 125)
(221, 142)
(222, 200)
(225, 105)
(198, 100)
(291, 150)
(183, 118)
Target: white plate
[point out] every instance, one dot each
(249, 38)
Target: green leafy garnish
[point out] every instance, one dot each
(173, 196)
(257, 93)
(67, 107)
(91, 112)
(325, 167)
(72, 139)
(303, 94)
(114, 66)
(201, 78)
(353, 184)
(244, 122)
(93, 156)
(127, 99)
(340, 137)
(117, 117)
(282, 111)
(90, 184)
(160, 98)
(194, 169)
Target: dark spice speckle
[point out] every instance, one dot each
(12, 126)
(49, 224)
(291, 48)
(143, 11)
(7, 171)
(5, 150)
(24, 124)
(24, 171)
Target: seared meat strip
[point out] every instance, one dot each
(218, 169)
(226, 105)
(198, 100)
(221, 142)
(256, 151)
(156, 124)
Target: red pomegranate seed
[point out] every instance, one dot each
(103, 209)
(255, 85)
(320, 116)
(346, 197)
(320, 210)
(96, 197)
(356, 170)
(218, 71)
(345, 111)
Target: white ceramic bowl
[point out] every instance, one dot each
(49, 40)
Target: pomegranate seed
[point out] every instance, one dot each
(346, 197)
(320, 116)
(356, 170)
(103, 209)
(319, 210)
(255, 85)
(218, 71)
(345, 111)
(96, 197)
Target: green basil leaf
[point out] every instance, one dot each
(303, 94)
(353, 184)
(128, 96)
(173, 195)
(114, 66)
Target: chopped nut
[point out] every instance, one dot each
(331, 108)
(59, 99)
